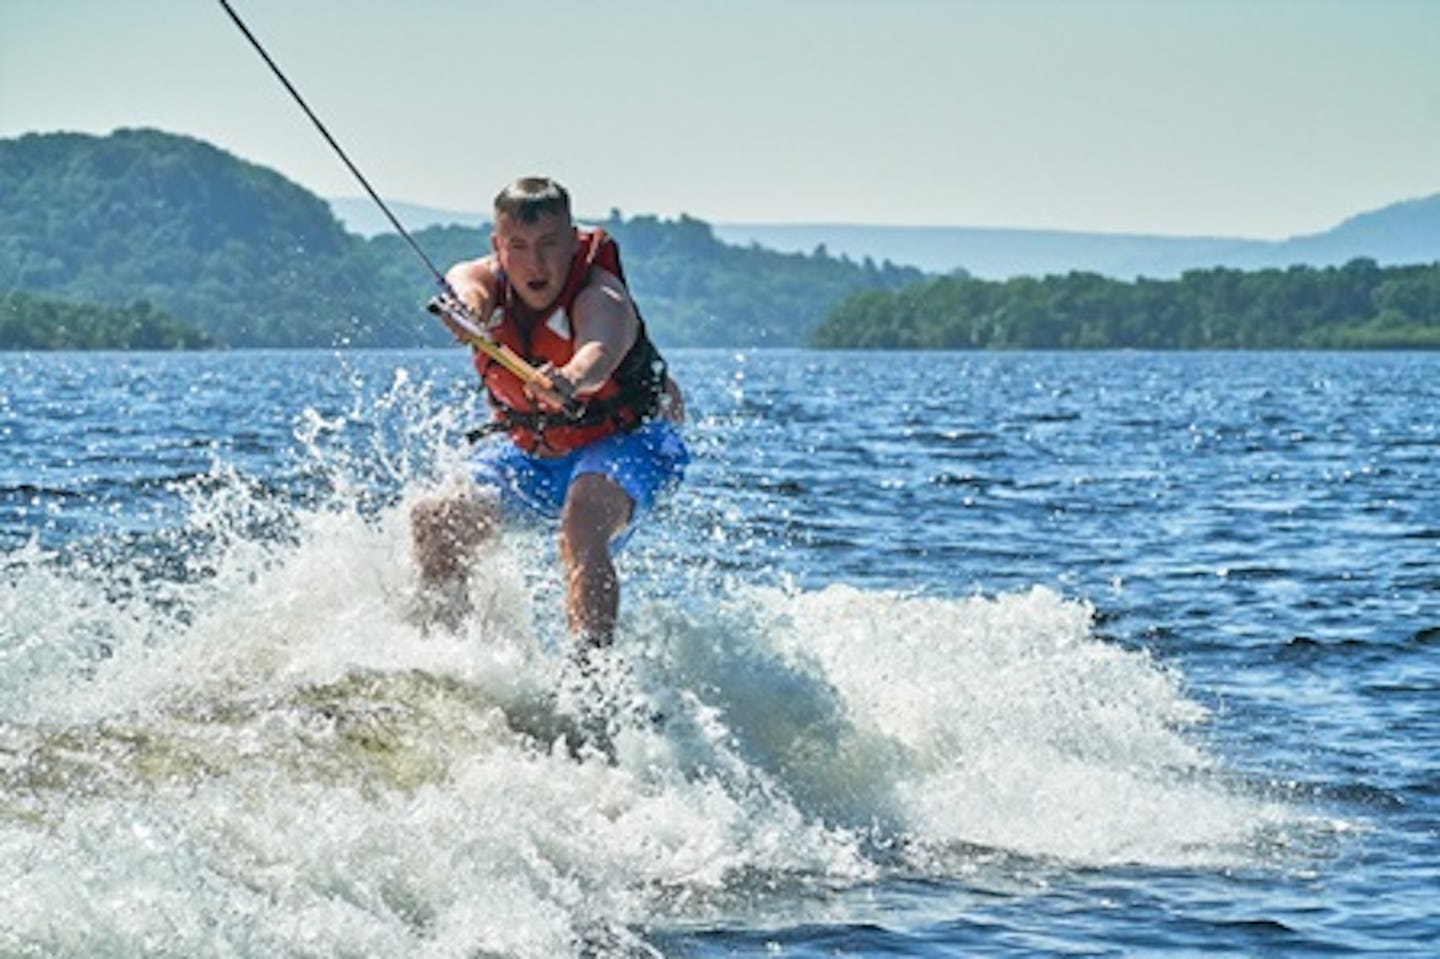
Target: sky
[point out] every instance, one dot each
(1261, 118)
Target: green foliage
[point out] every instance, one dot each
(35, 323)
(1357, 306)
(237, 252)
(240, 251)
(697, 291)
(256, 260)
(693, 290)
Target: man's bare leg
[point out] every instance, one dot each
(446, 530)
(596, 510)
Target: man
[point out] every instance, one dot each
(595, 448)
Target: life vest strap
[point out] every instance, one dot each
(613, 409)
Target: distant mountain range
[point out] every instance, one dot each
(1402, 233)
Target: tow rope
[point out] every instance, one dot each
(461, 320)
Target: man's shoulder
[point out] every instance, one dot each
(602, 286)
(603, 303)
(484, 269)
(486, 262)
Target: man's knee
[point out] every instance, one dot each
(445, 530)
(596, 511)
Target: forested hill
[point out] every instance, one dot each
(252, 259)
(1357, 306)
(231, 247)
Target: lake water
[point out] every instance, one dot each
(932, 655)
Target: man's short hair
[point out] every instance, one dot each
(531, 197)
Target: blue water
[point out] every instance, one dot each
(944, 654)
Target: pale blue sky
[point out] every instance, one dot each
(1264, 118)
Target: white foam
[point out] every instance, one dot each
(271, 758)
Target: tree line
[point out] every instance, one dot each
(1356, 306)
(252, 259)
(36, 323)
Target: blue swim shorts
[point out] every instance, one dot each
(644, 462)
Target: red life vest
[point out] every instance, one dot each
(624, 400)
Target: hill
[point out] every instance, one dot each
(238, 250)
(995, 253)
(361, 215)
(224, 251)
(1401, 233)
(693, 290)
(252, 259)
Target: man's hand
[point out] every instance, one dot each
(458, 318)
(560, 398)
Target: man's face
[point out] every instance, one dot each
(535, 256)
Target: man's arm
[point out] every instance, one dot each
(605, 325)
(474, 284)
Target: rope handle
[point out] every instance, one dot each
(463, 323)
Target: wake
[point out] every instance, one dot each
(266, 749)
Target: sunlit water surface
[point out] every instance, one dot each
(933, 655)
